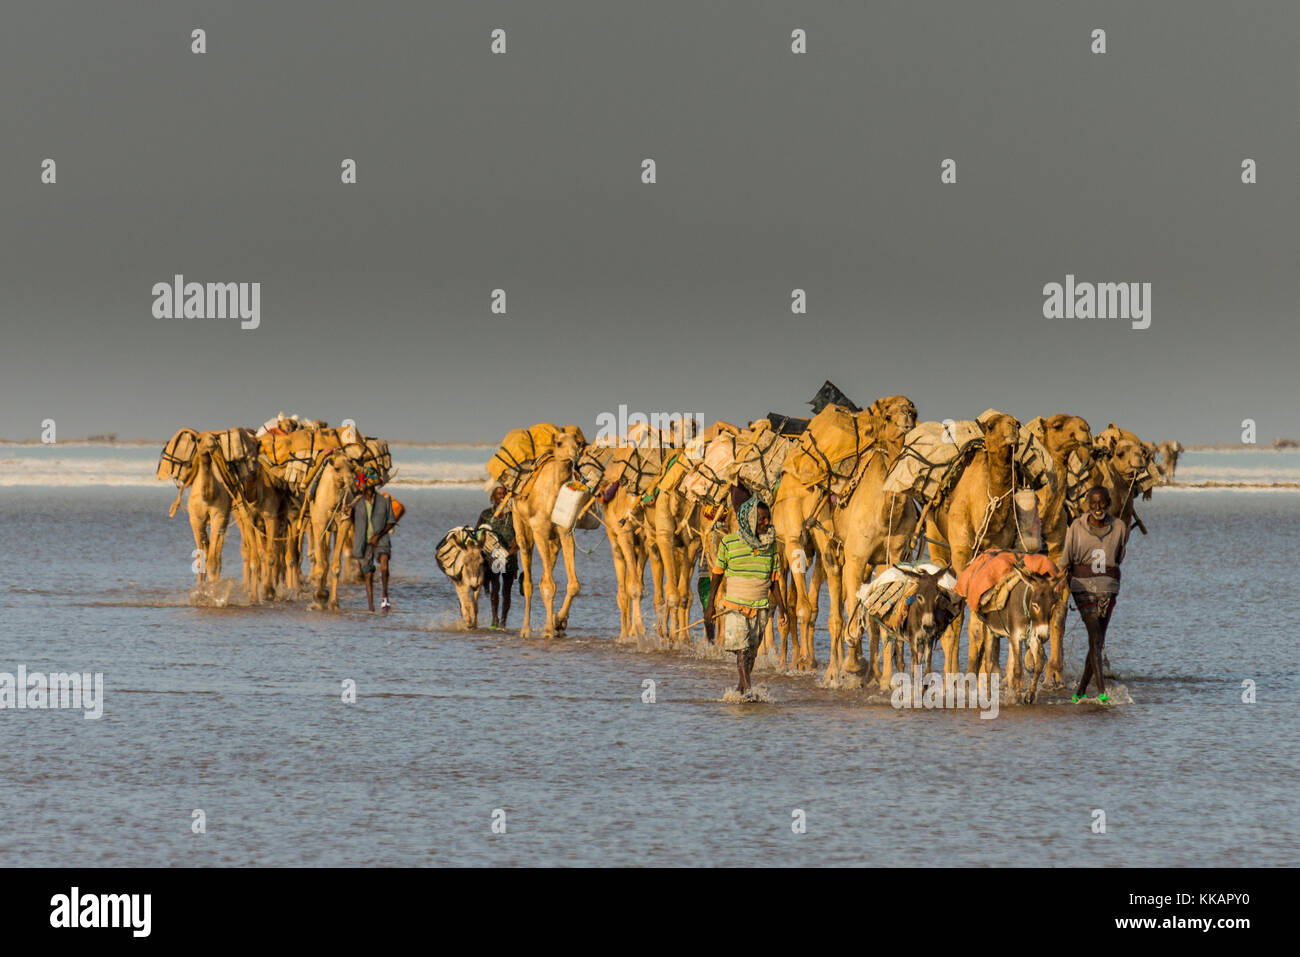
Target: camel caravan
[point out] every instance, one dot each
(288, 482)
(906, 525)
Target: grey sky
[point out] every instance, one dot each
(522, 171)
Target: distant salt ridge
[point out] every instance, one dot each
(138, 470)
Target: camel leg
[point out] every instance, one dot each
(992, 660)
(199, 526)
(636, 587)
(256, 560)
(546, 548)
(1055, 674)
(807, 639)
(846, 661)
(621, 590)
(657, 584)
(216, 544)
(798, 578)
(319, 563)
(850, 577)
(335, 570)
(951, 640)
(568, 548)
(525, 540)
(293, 557)
(668, 555)
(686, 594)
(272, 552)
(975, 652)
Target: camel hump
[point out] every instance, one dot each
(933, 456)
(521, 447)
(835, 436)
(178, 455)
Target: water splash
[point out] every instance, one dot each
(757, 694)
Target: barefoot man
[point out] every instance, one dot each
(747, 558)
(1094, 549)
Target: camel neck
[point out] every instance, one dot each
(1000, 465)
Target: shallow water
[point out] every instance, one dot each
(237, 711)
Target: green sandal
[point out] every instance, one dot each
(1104, 699)
(1078, 697)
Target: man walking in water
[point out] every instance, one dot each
(747, 559)
(503, 527)
(1094, 549)
(372, 520)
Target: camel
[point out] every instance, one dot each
(630, 542)
(677, 529)
(977, 515)
(1120, 464)
(838, 541)
(1025, 620)
(533, 504)
(264, 501)
(1068, 440)
(327, 519)
(1169, 453)
(871, 528)
(209, 508)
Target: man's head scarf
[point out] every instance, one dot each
(366, 478)
(747, 522)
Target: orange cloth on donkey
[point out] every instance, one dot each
(988, 568)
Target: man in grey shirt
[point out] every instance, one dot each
(372, 520)
(1094, 548)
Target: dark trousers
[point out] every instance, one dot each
(1096, 620)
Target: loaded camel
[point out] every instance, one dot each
(977, 515)
(533, 504)
(1068, 440)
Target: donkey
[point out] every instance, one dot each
(931, 608)
(464, 555)
(1025, 620)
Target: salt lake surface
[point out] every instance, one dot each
(237, 711)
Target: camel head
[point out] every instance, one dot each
(1131, 462)
(1063, 434)
(1108, 438)
(569, 444)
(345, 471)
(207, 443)
(893, 416)
(1001, 433)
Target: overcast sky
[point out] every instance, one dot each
(522, 171)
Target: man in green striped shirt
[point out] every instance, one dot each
(747, 559)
